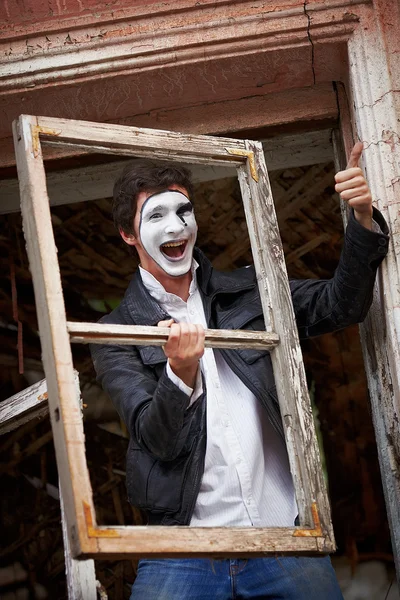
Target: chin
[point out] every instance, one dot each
(177, 271)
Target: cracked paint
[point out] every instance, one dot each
(310, 40)
(391, 138)
(378, 99)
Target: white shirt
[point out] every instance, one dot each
(246, 480)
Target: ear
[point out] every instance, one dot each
(128, 238)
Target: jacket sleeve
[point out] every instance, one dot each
(322, 306)
(155, 411)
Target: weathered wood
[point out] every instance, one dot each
(65, 412)
(80, 574)
(141, 39)
(96, 182)
(26, 452)
(375, 121)
(311, 104)
(290, 209)
(287, 357)
(29, 404)
(136, 141)
(86, 538)
(298, 150)
(98, 333)
(90, 183)
(307, 247)
(219, 542)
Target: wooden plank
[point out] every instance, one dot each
(298, 150)
(287, 357)
(96, 182)
(80, 574)
(307, 247)
(65, 412)
(29, 404)
(219, 542)
(372, 115)
(136, 141)
(289, 107)
(99, 333)
(91, 183)
(291, 208)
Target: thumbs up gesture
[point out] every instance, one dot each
(353, 188)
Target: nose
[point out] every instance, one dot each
(174, 225)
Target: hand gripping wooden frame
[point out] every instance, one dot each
(314, 535)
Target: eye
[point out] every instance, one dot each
(184, 210)
(155, 216)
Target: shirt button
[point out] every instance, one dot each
(239, 460)
(248, 500)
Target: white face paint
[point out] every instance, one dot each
(168, 231)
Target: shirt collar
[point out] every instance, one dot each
(157, 290)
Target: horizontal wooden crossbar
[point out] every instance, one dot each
(136, 141)
(140, 335)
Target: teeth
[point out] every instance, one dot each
(173, 244)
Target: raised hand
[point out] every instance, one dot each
(353, 188)
(184, 348)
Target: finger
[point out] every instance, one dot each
(172, 345)
(194, 334)
(190, 348)
(167, 323)
(183, 339)
(201, 334)
(355, 155)
(348, 174)
(361, 204)
(354, 193)
(358, 181)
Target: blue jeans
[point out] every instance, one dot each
(288, 578)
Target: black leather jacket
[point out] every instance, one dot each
(165, 459)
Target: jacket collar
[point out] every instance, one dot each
(139, 308)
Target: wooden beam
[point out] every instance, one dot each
(29, 404)
(99, 333)
(96, 182)
(307, 247)
(287, 361)
(19, 409)
(372, 113)
(80, 574)
(90, 183)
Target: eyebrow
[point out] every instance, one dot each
(159, 207)
(186, 206)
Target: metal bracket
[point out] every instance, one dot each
(96, 532)
(250, 157)
(36, 131)
(317, 531)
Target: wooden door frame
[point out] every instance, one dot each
(373, 89)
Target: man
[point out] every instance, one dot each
(206, 440)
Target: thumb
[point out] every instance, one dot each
(355, 155)
(167, 323)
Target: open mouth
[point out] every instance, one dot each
(174, 250)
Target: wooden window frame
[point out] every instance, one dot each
(314, 535)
